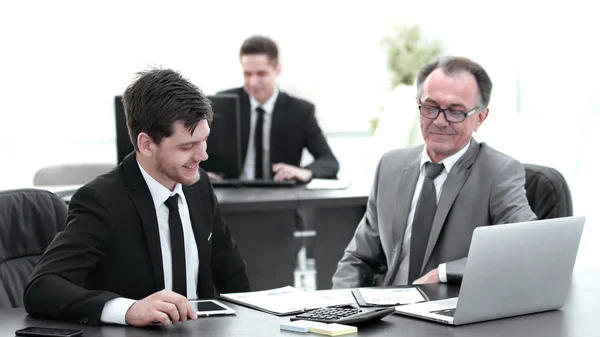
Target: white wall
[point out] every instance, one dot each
(63, 62)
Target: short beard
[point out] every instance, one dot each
(164, 170)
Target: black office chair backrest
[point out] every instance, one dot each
(29, 220)
(547, 192)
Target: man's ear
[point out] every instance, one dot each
(480, 118)
(145, 144)
(278, 68)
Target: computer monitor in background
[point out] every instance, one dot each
(124, 146)
(223, 145)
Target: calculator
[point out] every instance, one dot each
(343, 315)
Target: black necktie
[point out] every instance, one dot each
(423, 220)
(258, 144)
(177, 246)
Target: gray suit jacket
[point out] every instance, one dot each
(485, 187)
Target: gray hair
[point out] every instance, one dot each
(452, 65)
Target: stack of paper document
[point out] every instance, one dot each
(334, 329)
(299, 326)
(283, 301)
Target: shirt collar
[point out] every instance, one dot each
(269, 104)
(159, 193)
(448, 162)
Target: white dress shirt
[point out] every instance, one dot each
(115, 310)
(438, 182)
(248, 170)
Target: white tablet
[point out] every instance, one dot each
(211, 308)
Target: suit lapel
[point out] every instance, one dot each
(453, 184)
(142, 200)
(245, 114)
(408, 183)
(277, 123)
(202, 234)
(401, 204)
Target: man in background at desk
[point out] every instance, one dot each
(275, 126)
(143, 238)
(427, 200)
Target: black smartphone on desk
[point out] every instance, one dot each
(48, 332)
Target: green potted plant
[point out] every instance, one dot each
(407, 52)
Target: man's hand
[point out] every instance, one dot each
(164, 307)
(284, 171)
(431, 277)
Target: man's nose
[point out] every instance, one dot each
(254, 81)
(440, 120)
(201, 154)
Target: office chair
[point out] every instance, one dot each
(547, 192)
(69, 174)
(29, 219)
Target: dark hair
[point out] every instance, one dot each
(452, 65)
(160, 97)
(260, 45)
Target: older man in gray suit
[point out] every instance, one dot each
(427, 200)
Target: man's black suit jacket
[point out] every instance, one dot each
(111, 248)
(293, 128)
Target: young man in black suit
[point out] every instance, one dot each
(275, 126)
(145, 237)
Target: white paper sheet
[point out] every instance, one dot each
(283, 300)
(392, 296)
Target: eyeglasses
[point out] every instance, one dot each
(452, 116)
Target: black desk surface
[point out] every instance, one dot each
(579, 317)
(244, 199)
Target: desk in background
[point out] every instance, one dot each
(262, 221)
(335, 216)
(579, 317)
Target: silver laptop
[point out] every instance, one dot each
(512, 269)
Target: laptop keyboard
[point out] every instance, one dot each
(445, 312)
